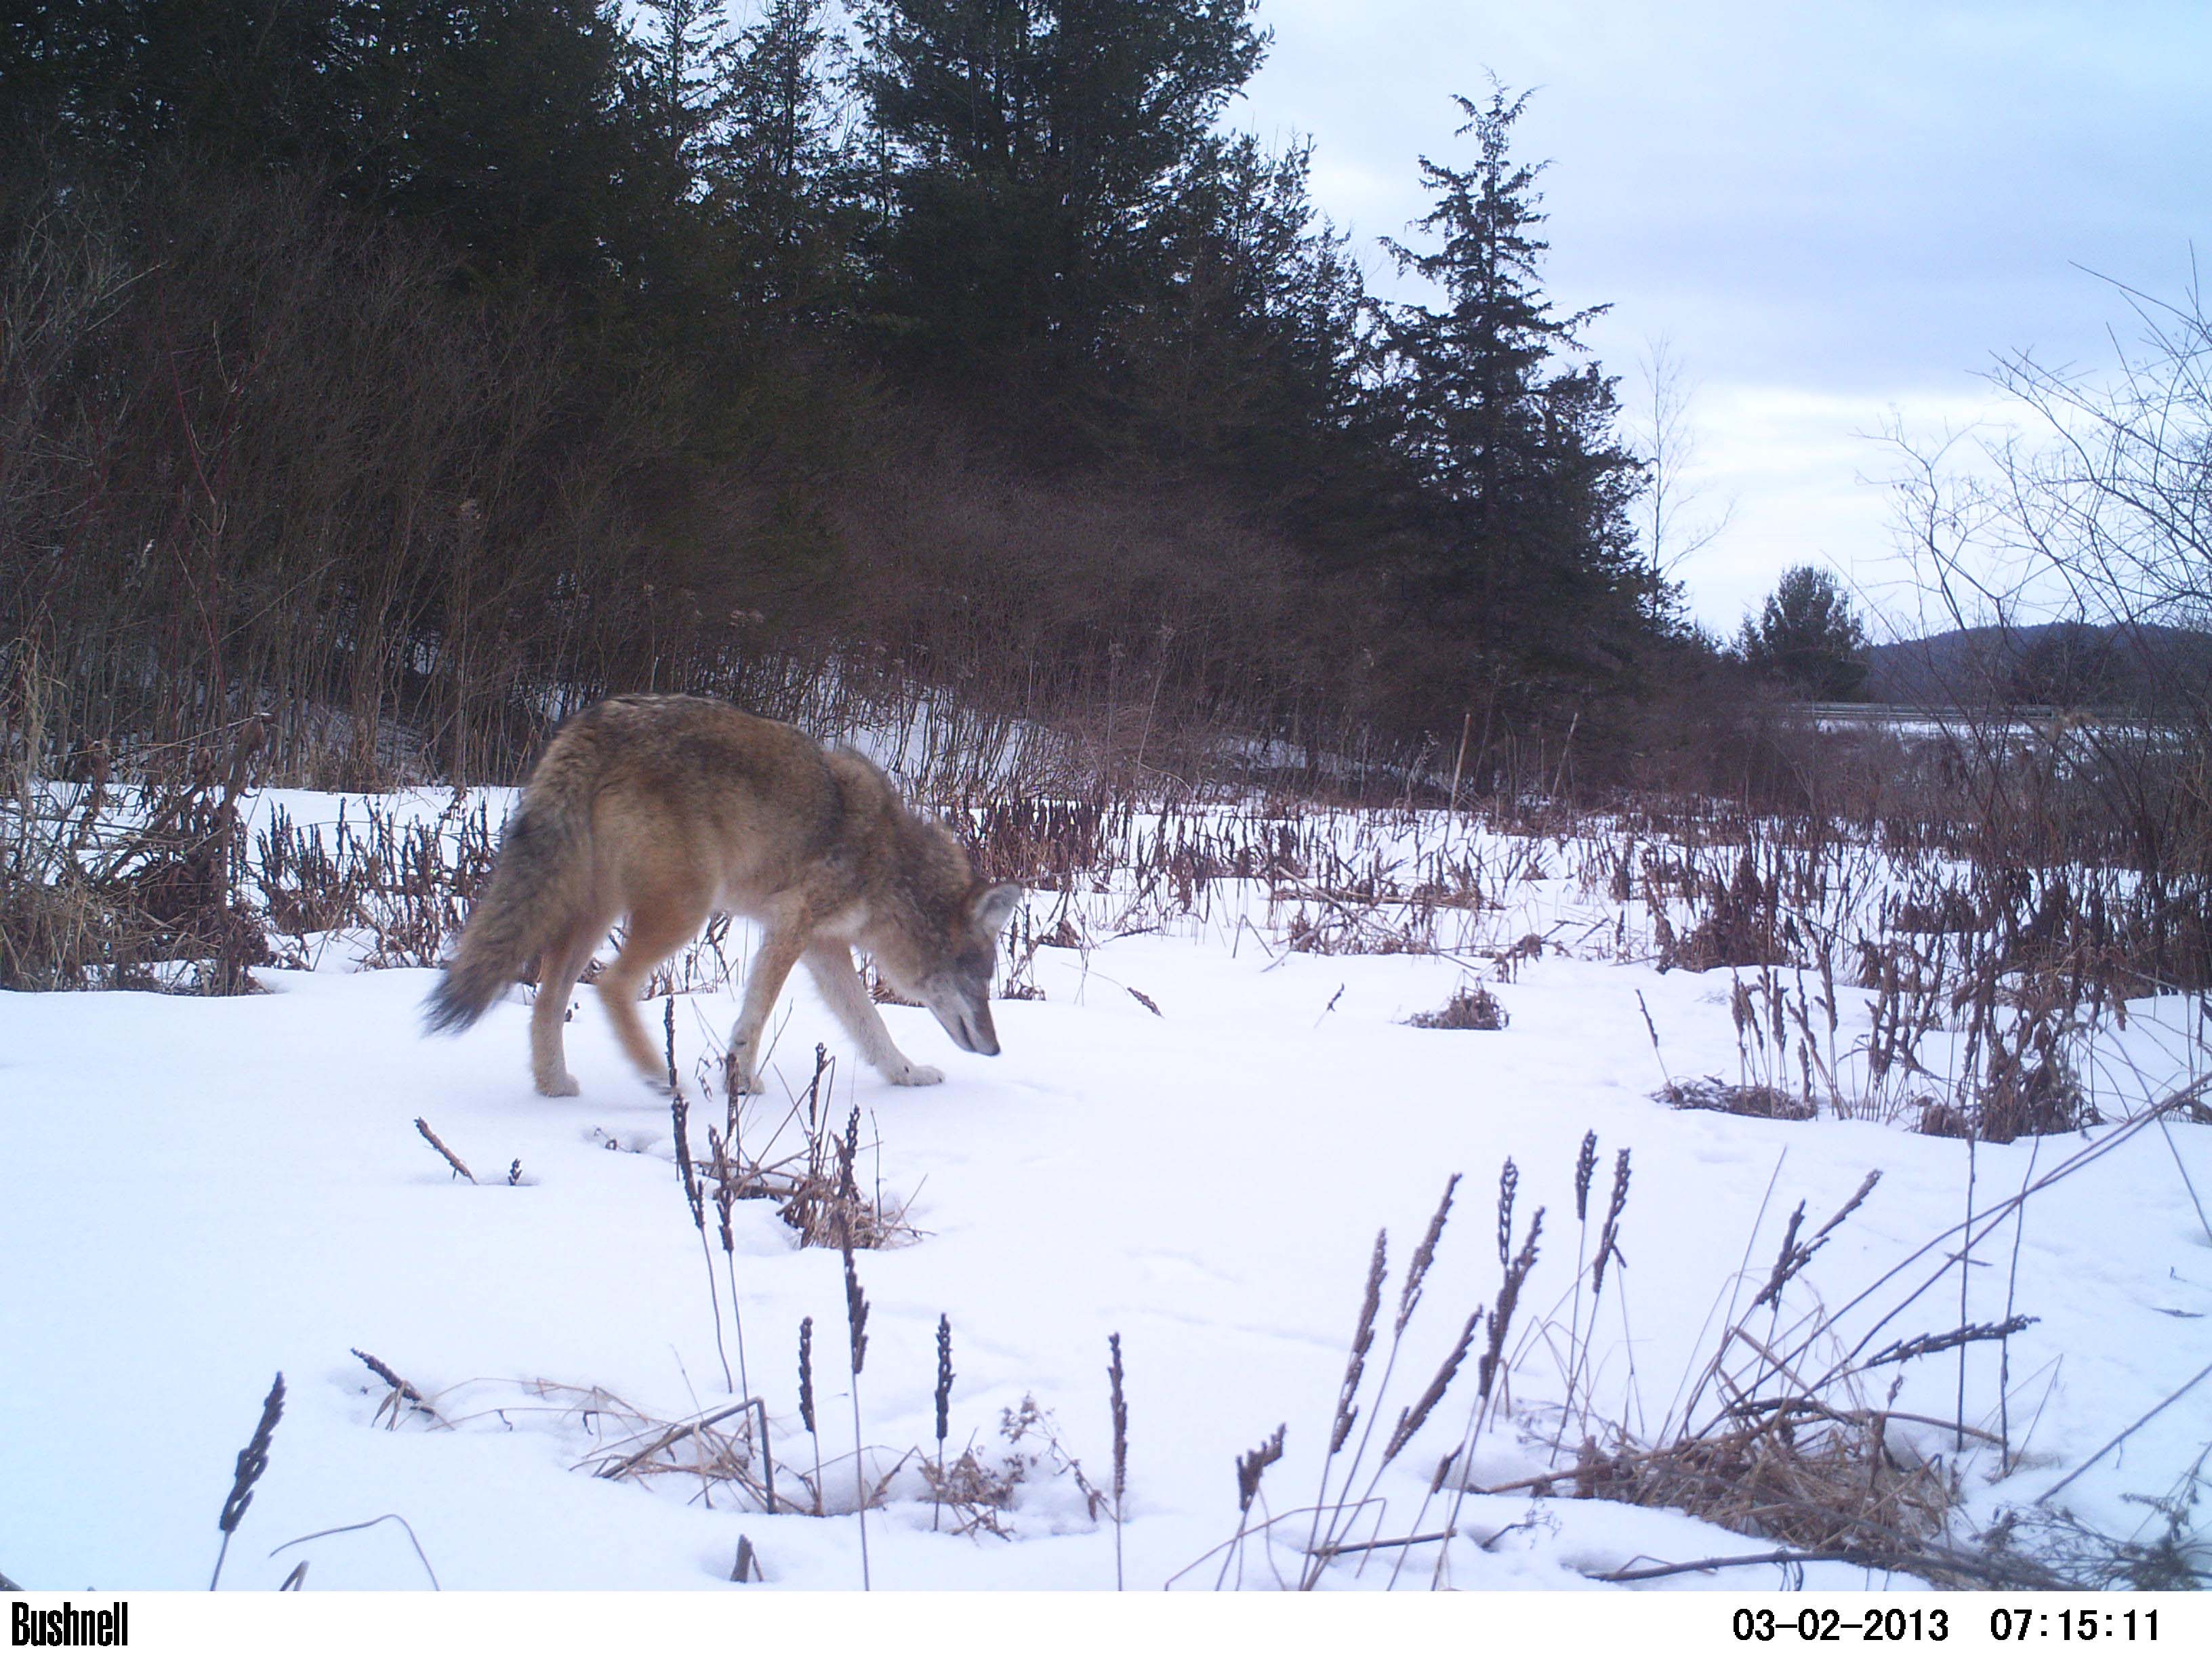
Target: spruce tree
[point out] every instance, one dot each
(1510, 433)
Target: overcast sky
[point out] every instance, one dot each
(1832, 211)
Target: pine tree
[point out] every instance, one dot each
(1026, 147)
(683, 55)
(505, 123)
(248, 86)
(1808, 634)
(785, 180)
(1243, 358)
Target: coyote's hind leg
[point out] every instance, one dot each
(783, 941)
(559, 966)
(657, 927)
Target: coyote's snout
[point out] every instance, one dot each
(660, 811)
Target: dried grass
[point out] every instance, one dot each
(1710, 1094)
(1472, 1008)
(1802, 1474)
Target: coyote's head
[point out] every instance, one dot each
(958, 989)
(949, 968)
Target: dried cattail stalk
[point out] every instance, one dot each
(814, 1084)
(679, 1112)
(806, 1401)
(1118, 1397)
(856, 1323)
(1873, 1178)
(252, 1463)
(1651, 1028)
(1411, 1418)
(943, 1408)
(725, 1171)
(1362, 1338)
(1251, 1465)
(1919, 1346)
(726, 1185)
(1424, 1254)
(1787, 1261)
(847, 1147)
(1793, 1257)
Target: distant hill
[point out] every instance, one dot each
(2067, 665)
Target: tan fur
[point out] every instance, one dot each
(661, 811)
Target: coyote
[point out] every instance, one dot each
(660, 811)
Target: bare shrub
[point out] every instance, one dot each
(979, 1489)
(405, 885)
(145, 893)
(2176, 1556)
(816, 1183)
(1823, 1484)
(1740, 924)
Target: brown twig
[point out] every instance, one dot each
(444, 1150)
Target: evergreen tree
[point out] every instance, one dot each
(1242, 359)
(1514, 447)
(252, 85)
(1808, 636)
(684, 56)
(514, 125)
(1025, 148)
(783, 178)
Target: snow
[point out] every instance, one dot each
(196, 1193)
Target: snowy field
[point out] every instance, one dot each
(1191, 1140)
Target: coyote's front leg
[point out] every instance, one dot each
(831, 965)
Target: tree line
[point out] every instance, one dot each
(439, 363)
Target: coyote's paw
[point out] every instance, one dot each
(559, 1087)
(911, 1076)
(739, 1079)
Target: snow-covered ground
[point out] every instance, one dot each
(197, 1193)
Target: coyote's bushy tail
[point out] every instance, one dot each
(529, 904)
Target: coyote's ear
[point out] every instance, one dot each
(994, 904)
